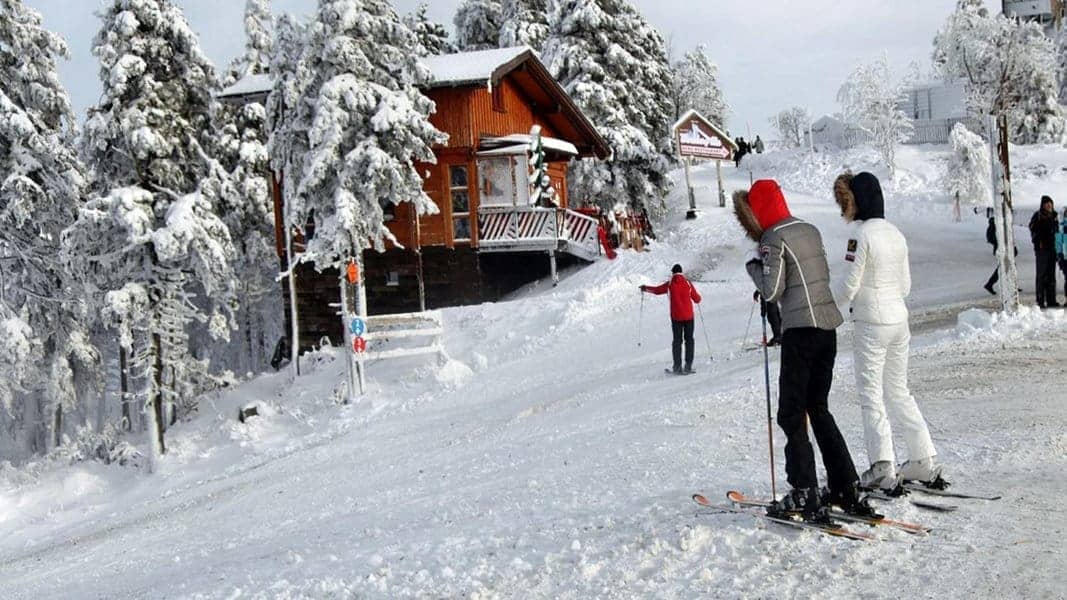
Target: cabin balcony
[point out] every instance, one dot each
(537, 229)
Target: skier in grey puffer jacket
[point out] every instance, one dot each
(791, 269)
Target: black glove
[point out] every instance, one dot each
(755, 296)
(642, 287)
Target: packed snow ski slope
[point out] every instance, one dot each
(552, 457)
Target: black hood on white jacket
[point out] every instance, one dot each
(859, 196)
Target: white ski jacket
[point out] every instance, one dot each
(879, 278)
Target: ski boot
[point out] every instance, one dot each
(881, 476)
(799, 502)
(850, 501)
(925, 471)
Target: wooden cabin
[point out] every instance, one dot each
(487, 239)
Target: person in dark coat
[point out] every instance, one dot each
(682, 295)
(991, 237)
(1043, 227)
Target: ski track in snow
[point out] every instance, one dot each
(563, 467)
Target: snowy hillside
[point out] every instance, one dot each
(552, 458)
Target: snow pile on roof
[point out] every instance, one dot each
(976, 324)
(446, 69)
(249, 84)
(468, 67)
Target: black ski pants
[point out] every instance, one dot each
(683, 330)
(808, 356)
(1046, 276)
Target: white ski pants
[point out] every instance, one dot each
(881, 364)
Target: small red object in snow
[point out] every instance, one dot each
(603, 235)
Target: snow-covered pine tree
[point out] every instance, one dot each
(151, 232)
(695, 85)
(41, 183)
(368, 126)
(478, 24)
(870, 100)
(256, 58)
(614, 65)
(287, 146)
(432, 36)
(525, 23)
(248, 213)
(1008, 66)
(792, 125)
(967, 177)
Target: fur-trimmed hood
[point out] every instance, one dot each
(859, 196)
(760, 207)
(844, 197)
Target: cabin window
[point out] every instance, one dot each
(392, 279)
(503, 181)
(498, 97)
(389, 212)
(459, 194)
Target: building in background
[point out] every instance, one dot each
(1046, 12)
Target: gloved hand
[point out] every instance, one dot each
(755, 296)
(642, 287)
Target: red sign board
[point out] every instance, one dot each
(359, 345)
(699, 138)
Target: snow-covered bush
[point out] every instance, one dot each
(870, 99)
(105, 446)
(792, 125)
(1009, 67)
(967, 178)
(614, 64)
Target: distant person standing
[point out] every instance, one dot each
(682, 296)
(1043, 226)
(991, 237)
(758, 145)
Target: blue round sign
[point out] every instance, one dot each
(357, 326)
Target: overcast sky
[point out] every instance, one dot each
(771, 53)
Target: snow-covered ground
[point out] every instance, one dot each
(553, 458)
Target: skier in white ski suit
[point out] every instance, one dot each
(876, 285)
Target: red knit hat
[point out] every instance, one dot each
(768, 203)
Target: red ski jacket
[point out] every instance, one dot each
(683, 295)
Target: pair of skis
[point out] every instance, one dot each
(938, 489)
(742, 504)
(739, 503)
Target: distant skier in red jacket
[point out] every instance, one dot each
(683, 295)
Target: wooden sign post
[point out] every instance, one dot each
(697, 138)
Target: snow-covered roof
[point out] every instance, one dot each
(479, 66)
(473, 67)
(519, 143)
(249, 85)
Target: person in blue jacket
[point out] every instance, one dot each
(1061, 247)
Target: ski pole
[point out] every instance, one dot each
(640, 317)
(767, 381)
(704, 326)
(748, 327)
